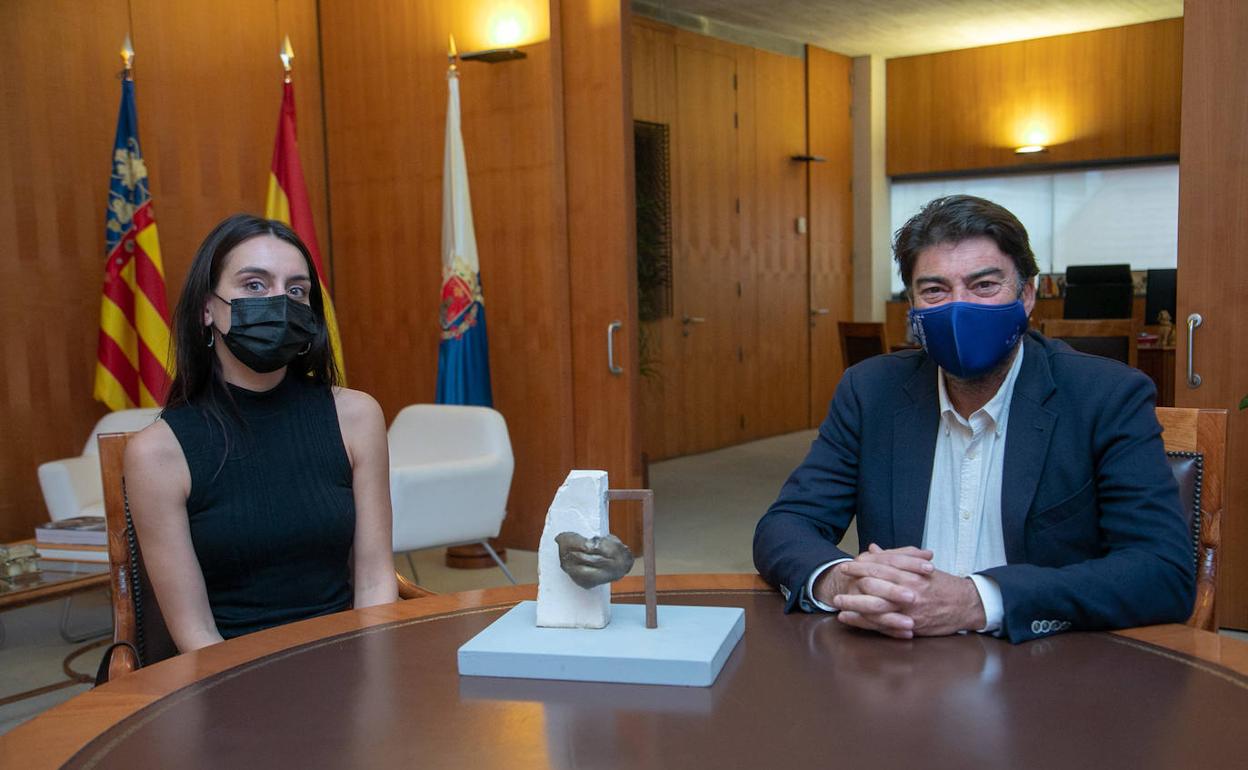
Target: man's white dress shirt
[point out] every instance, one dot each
(963, 523)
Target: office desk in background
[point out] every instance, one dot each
(378, 688)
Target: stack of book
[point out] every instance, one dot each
(82, 538)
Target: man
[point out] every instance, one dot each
(1003, 482)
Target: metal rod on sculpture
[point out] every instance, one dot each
(646, 496)
(647, 543)
(127, 58)
(452, 54)
(287, 56)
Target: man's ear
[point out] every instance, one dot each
(1029, 295)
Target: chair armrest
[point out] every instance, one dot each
(409, 590)
(70, 485)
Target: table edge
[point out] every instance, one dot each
(53, 737)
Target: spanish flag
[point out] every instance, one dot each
(287, 202)
(133, 357)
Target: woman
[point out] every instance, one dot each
(262, 495)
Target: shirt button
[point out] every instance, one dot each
(966, 515)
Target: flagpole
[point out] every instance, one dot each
(287, 56)
(474, 556)
(127, 59)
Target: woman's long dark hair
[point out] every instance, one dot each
(197, 376)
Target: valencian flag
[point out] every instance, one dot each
(287, 202)
(463, 355)
(133, 369)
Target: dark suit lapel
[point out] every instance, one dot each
(914, 447)
(1027, 437)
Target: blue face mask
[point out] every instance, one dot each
(968, 339)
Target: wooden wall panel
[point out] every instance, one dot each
(1213, 275)
(654, 100)
(208, 91)
(829, 95)
(1093, 96)
(385, 92)
(739, 261)
(602, 253)
(707, 246)
(778, 351)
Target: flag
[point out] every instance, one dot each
(133, 355)
(463, 354)
(287, 201)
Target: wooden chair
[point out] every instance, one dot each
(1195, 442)
(136, 614)
(860, 341)
(1114, 338)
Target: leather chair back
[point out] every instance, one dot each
(1195, 441)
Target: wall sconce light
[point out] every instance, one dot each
(494, 55)
(498, 30)
(1030, 149)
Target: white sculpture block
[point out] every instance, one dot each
(579, 506)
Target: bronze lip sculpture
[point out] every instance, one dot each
(593, 561)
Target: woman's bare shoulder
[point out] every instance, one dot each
(155, 442)
(154, 455)
(357, 406)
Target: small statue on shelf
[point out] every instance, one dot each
(1165, 335)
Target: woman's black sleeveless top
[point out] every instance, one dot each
(273, 525)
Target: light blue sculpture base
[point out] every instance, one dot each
(688, 648)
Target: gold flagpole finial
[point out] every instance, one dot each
(452, 55)
(127, 58)
(288, 57)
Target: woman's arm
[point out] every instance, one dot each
(364, 432)
(157, 484)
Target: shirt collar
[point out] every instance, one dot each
(996, 407)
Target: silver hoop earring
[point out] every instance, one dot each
(212, 339)
(304, 352)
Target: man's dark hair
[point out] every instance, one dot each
(956, 218)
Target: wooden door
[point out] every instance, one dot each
(705, 251)
(829, 94)
(1213, 274)
(774, 248)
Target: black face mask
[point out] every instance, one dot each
(266, 333)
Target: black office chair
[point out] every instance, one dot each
(1098, 291)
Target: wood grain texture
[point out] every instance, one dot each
(829, 95)
(1093, 96)
(1203, 431)
(51, 738)
(1213, 276)
(777, 255)
(207, 143)
(738, 115)
(602, 253)
(1124, 329)
(654, 100)
(386, 94)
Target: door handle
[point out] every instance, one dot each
(612, 328)
(819, 311)
(693, 319)
(1193, 320)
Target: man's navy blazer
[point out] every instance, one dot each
(1094, 538)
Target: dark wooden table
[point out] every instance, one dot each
(378, 688)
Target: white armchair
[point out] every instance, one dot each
(450, 472)
(71, 487)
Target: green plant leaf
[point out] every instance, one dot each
(1243, 403)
